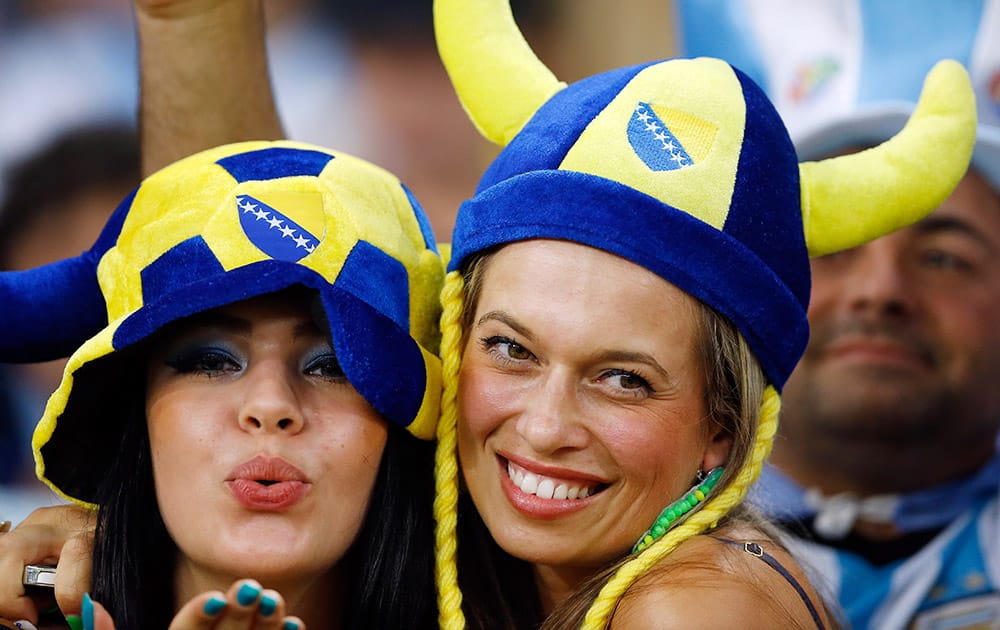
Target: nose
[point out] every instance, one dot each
(270, 400)
(878, 281)
(551, 418)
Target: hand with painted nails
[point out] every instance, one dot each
(245, 606)
(62, 536)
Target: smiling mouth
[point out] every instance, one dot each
(552, 488)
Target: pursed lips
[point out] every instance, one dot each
(267, 483)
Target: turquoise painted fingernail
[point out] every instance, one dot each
(247, 594)
(267, 606)
(87, 612)
(290, 625)
(214, 605)
(74, 622)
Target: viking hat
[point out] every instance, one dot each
(240, 221)
(683, 167)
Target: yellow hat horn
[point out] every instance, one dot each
(920, 165)
(499, 79)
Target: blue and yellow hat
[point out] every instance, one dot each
(683, 167)
(243, 220)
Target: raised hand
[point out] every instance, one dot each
(62, 536)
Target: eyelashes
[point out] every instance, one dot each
(213, 361)
(505, 349)
(629, 381)
(210, 361)
(506, 352)
(325, 365)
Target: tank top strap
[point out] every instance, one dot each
(757, 551)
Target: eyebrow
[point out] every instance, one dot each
(507, 319)
(938, 225)
(215, 319)
(617, 356)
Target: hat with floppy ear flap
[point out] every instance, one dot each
(50, 310)
(683, 167)
(240, 221)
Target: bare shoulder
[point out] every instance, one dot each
(708, 583)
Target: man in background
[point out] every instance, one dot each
(886, 471)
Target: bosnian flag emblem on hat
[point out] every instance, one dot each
(275, 232)
(653, 141)
(667, 139)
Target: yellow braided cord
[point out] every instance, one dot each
(450, 615)
(708, 516)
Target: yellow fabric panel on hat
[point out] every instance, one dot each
(668, 152)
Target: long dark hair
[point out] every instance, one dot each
(499, 591)
(391, 562)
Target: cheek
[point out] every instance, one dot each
(183, 440)
(181, 425)
(352, 445)
(656, 451)
(483, 402)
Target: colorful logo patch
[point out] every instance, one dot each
(276, 233)
(811, 77)
(668, 140)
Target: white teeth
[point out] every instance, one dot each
(530, 483)
(544, 487)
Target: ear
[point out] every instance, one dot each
(718, 445)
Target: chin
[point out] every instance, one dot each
(276, 565)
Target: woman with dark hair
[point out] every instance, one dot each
(255, 405)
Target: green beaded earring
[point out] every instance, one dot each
(678, 508)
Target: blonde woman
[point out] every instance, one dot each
(627, 295)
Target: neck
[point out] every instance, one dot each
(556, 584)
(316, 599)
